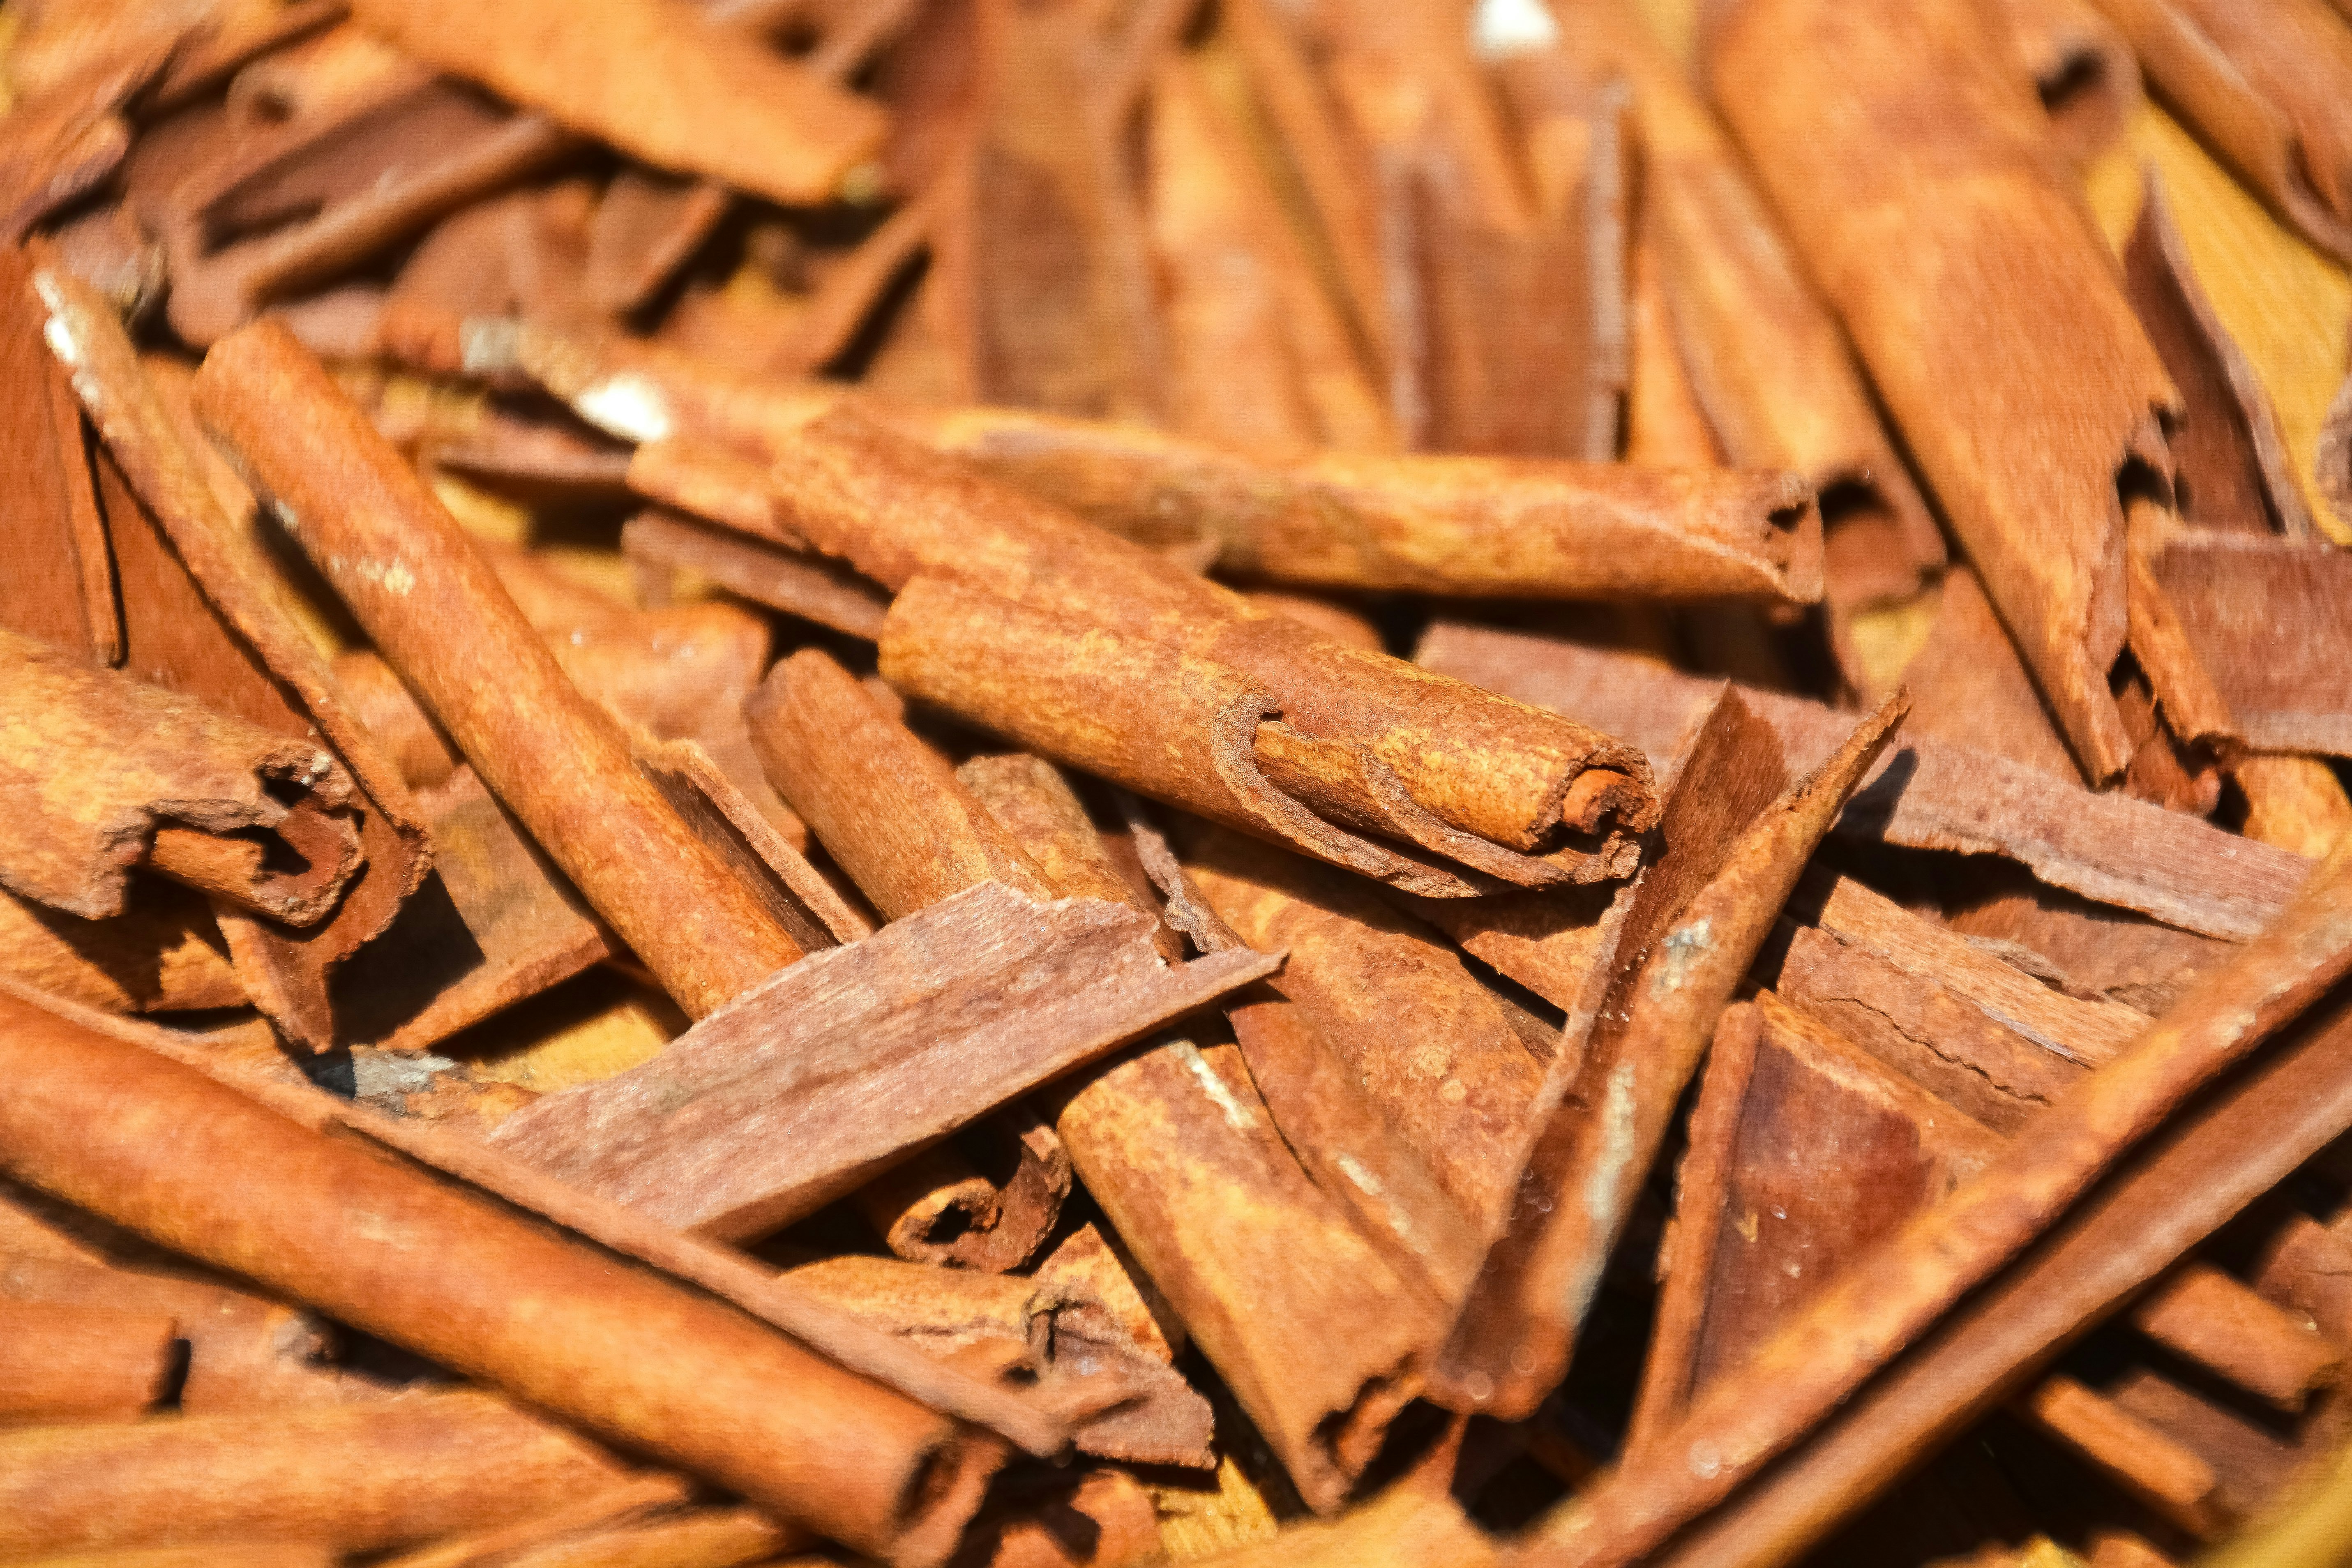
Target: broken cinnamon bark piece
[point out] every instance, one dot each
(2266, 89)
(397, 557)
(653, 78)
(204, 611)
(61, 588)
(1511, 1343)
(737, 1128)
(1436, 1054)
(1925, 793)
(2232, 469)
(1888, 1301)
(801, 584)
(106, 773)
(1937, 137)
(987, 1200)
(2266, 616)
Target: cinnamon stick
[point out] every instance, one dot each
(687, 1394)
(399, 560)
(352, 1478)
(75, 1364)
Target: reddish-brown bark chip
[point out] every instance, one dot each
(804, 1087)
(1432, 1047)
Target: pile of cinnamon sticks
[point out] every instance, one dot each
(1069, 783)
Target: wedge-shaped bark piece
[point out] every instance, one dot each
(438, 613)
(619, 1351)
(1430, 1043)
(104, 772)
(1769, 364)
(356, 1477)
(889, 810)
(2266, 617)
(2233, 469)
(658, 80)
(1887, 1303)
(807, 1086)
(1925, 793)
(2025, 403)
(1309, 1326)
(2265, 89)
(68, 1365)
(1510, 1345)
(494, 924)
(1805, 1155)
(61, 588)
(201, 613)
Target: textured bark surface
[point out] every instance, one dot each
(805, 1087)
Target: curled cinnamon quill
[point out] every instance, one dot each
(104, 772)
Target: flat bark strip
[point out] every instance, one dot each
(440, 616)
(2233, 469)
(1925, 793)
(104, 772)
(643, 1362)
(1899, 1295)
(2026, 402)
(1511, 1344)
(807, 1085)
(2193, 1177)
(655, 79)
